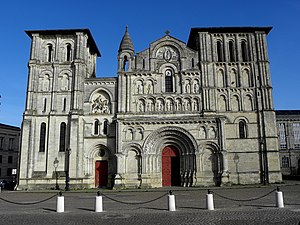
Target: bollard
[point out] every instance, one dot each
(60, 204)
(209, 201)
(171, 205)
(99, 203)
(279, 198)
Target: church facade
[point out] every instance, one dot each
(177, 114)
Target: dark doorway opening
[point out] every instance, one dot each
(101, 173)
(170, 166)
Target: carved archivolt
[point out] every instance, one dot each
(176, 136)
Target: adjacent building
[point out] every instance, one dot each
(288, 122)
(176, 114)
(9, 151)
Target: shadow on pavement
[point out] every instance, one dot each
(86, 209)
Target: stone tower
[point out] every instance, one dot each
(60, 61)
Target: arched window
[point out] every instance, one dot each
(42, 137)
(125, 63)
(62, 137)
(242, 129)
(219, 52)
(50, 51)
(105, 126)
(193, 63)
(245, 56)
(96, 127)
(169, 81)
(68, 53)
(231, 52)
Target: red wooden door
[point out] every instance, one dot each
(170, 166)
(101, 173)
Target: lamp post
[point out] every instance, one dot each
(68, 152)
(55, 164)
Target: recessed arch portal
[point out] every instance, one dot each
(185, 145)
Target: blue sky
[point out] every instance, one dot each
(147, 21)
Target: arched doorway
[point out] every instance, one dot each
(170, 166)
(101, 173)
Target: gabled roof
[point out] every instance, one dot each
(91, 40)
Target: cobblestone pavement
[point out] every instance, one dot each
(190, 207)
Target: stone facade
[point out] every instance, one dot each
(177, 114)
(9, 151)
(288, 123)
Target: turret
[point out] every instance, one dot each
(126, 53)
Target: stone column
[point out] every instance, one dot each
(120, 170)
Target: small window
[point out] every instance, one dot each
(10, 159)
(231, 52)
(50, 51)
(245, 56)
(62, 139)
(0, 158)
(9, 172)
(105, 126)
(242, 129)
(285, 163)
(219, 52)
(68, 55)
(169, 81)
(193, 63)
(96, 127)
(64, 104)
(42, 137)
(11, 144)
(125, 63)
(1, 142)
(45, 105)
(143, 63)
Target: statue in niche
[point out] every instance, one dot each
(100, 105)
(178, 105)
(141, 106)
(149, 106)
(64, 82)
(45, 83)
(187, 105)
(139, 88)
(129, 135)
(188, 88)
(168, 106)
(195, 104)
(196, 87)
(149, 88)
(202, 133)
(159, 106)
(211, 133)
